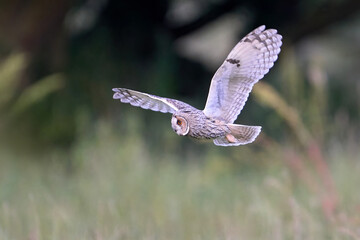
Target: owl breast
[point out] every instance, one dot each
(202, 127)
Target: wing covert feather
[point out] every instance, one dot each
(245, 65)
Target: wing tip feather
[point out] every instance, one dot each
(115, 89)
(116, 96)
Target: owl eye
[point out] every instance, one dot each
(178, 122)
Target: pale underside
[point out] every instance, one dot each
(245, 65)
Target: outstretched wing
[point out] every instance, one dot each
(147, 101)
(245, 65)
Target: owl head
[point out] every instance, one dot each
(180, 125)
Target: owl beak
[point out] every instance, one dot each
(176, 131)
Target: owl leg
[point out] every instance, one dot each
(239, 135)
(231, 138)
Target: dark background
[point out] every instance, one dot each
(149, 46)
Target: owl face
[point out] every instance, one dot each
(180, 125)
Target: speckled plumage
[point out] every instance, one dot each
(246, 64)
(201, 126)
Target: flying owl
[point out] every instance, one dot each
(246, 64)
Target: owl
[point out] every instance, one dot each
(246, 64)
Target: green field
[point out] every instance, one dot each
(116, 188)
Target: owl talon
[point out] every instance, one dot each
(231, 138)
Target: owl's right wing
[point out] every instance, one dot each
(246, 64)
(147, 101)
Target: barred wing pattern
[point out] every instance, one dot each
(147, 101)
(245, 65)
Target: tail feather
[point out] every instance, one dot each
(239, 135)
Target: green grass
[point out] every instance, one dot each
(117, 189)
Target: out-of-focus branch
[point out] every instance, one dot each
(211, 14)
(295, 29)
(324, 16)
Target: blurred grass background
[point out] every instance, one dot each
(75, 164)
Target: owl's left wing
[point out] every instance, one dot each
(246, 64)
(147, 101)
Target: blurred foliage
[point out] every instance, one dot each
(269, 97)
(122, 193)
(10, 69)
(37, 92)
(77, 164)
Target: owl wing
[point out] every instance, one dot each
(245, 65)
(147, 101)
